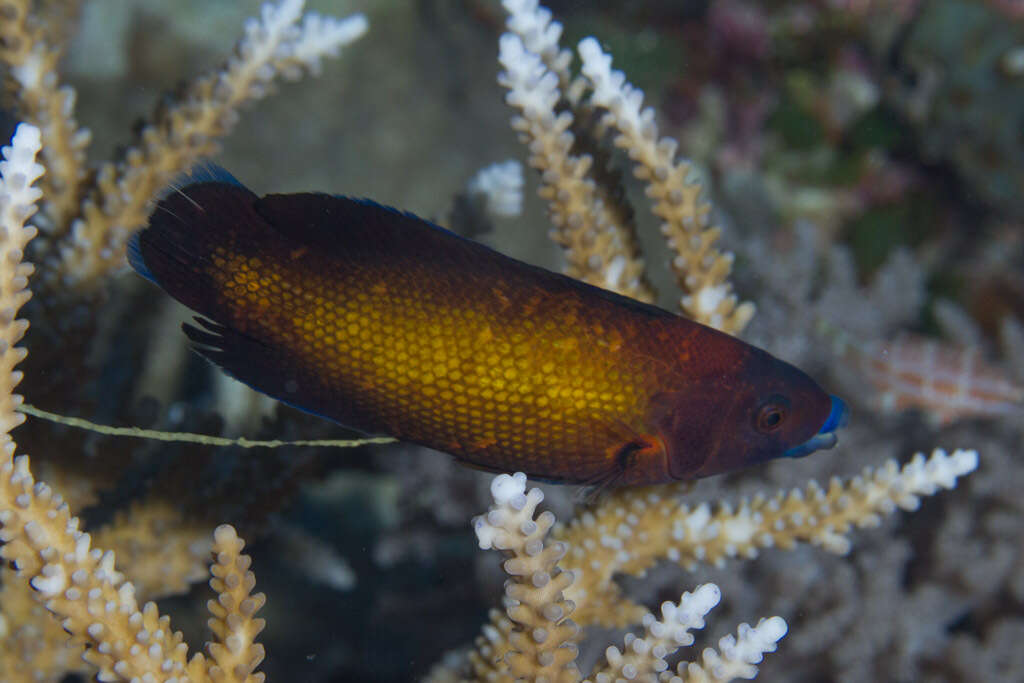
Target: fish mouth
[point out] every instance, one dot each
(826, 437)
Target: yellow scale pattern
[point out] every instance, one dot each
(496, 381)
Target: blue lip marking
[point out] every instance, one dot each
(837, 418)
(826, 437)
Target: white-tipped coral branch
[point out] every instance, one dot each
(736, 655)
(158, 547)
(590, 220)
(97, 605)
(278, 44)
(644, 656)
(541, 640)
(33, 645)
(633, 529)
(540, 35)
(235, 652)
(31, 58)
(535, 640)
(81, 586)
(600, 247)
(701, 269)
(501, 185)
(19, 172)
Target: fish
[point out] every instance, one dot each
(389, 324)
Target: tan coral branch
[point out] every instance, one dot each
(235, 651)
(31, 58)
(701, 269)
(599, 247)
(632, 529)
(33, 646)
(82, 587)
(162, 552)
(277, 45)
(540, 635)
(97, 605)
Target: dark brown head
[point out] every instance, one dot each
(758, 410)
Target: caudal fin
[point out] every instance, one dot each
(175, 249)
(190, 249)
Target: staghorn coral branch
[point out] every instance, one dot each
(618, 248)
(599, 247)
(645, 656)
(533, 642)
(235, 628)
(501, 186)
(18, 174)
(40, 536)
(736, 655)
(80, 585)
(158, 547)
(33, 646)
(632, 529)
(31, 56)
(702, 270)
(540, 35)
(98, 606)
(275, 45)
(42, 540)
(33, 643)
(540, 642)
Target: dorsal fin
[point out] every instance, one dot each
(359, 229)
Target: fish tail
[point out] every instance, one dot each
(197, 235)
(175, 250)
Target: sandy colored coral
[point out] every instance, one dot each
(33, 646)
(541, 635)
(282, 43)
(632, 529)
(157, 546)
(233, 623)
(534, 640)
(90, 215)
(587, 215)
(31, 56)
(594, 245)
(701, 269)
(94, 602)
(598, 238)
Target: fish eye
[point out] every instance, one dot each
(772, 414)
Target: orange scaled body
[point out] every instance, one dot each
(386, 323)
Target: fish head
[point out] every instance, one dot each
(761, 409)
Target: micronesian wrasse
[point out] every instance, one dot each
(386, 323)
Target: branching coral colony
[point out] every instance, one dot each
(85, 216)
(560, 577)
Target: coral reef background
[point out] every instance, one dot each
(867, 166)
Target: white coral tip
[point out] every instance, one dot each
(502, 186)
(508, 487)
(27, 136)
